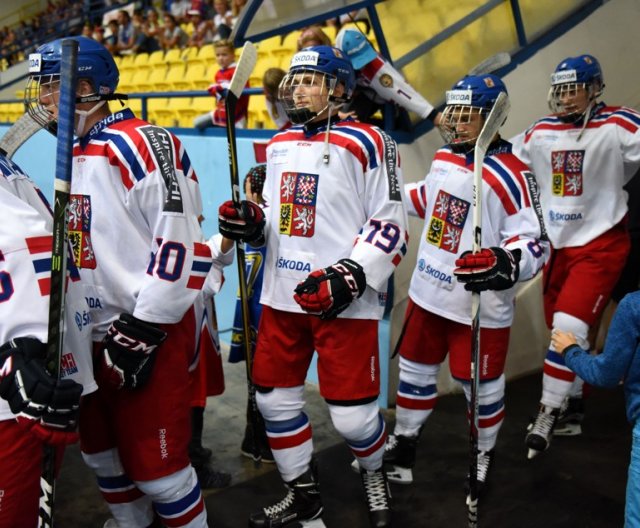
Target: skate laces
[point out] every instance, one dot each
(279, 507)
(484, 461)
(543, 424)
(376, 490)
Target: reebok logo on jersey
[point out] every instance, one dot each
(298, 194)
(566, 172)
(447, 221)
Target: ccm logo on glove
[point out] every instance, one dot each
(329, 291)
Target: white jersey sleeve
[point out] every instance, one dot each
(391, 86)
(25, 272)
(415, 197)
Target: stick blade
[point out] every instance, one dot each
(246, 63)
(491, 64)
(494, 121)
(18, 134)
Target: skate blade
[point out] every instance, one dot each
(399, 475)
(533, 453)
(355, 466)
(568, 429)
(313, 523)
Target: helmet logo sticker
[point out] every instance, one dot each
(564, 77)
(35, 62)
(459, 97)
(307, 58)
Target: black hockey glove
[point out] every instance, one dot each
(489, 269)
(129, 352)
(47, 407)
(246, 223)
(328, 292)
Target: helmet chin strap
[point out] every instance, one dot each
(82, 119)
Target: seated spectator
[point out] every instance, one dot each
(173, 35)
(223, 19)
(179, 10)
(313, 36)
(270, 82)
(225, 57)
(127, 34)
(111, 37)
(203, 30)
(236, 9)
(146, 39)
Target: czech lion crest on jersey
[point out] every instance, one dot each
(447, 221)
(566, 172)
(80, 231)
(298, 193)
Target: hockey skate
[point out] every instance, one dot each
(256, 447)
(570, 419)
(541, 430)
(376, 488)
(300, 507)
(485, 461)
(400, 457)
(209, 478)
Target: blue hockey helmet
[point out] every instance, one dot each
(571, 76)
(332, 67)
(94, 63)
(355, 44)
(470, 96)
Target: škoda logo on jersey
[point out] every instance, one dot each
(447, 222)
(80, 231)
(566, 172)
(298, 193)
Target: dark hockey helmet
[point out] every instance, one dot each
(471, 98)
(331, 67)
(95, 64)
(570, 77)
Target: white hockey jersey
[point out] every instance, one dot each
(320, 213)
(133, 223)
(581, 174)
(510, 219)
(25, 273)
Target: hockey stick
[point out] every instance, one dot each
(489, 130)
(18, 134)
(59, 254)
(246, 63)
(491, 64)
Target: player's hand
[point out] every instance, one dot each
(245, 223)
(129, 352)
(44, 405)
(328, 292)
(490, 269)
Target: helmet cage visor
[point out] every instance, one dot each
(298, 98)
(563, 98)
(456, 126)
(41, 98)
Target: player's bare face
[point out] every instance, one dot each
(310, 92)
(224, 57)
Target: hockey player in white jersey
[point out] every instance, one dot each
(35, 408)
(335, 231)
(438, 316)
(582, 155)
(137, 241)
(379, 80)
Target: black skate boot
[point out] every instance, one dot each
(198, 454)
(301, 505)
(400, 457)
(541, 430)
(485, 460)
(570, 419)
(378, 496)
(256, 445)
(209, 478)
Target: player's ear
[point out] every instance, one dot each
(85, 87)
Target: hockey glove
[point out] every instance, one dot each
(246, 223)
(129, 352)
(489, 269)
(328, 292)
(47, 407)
